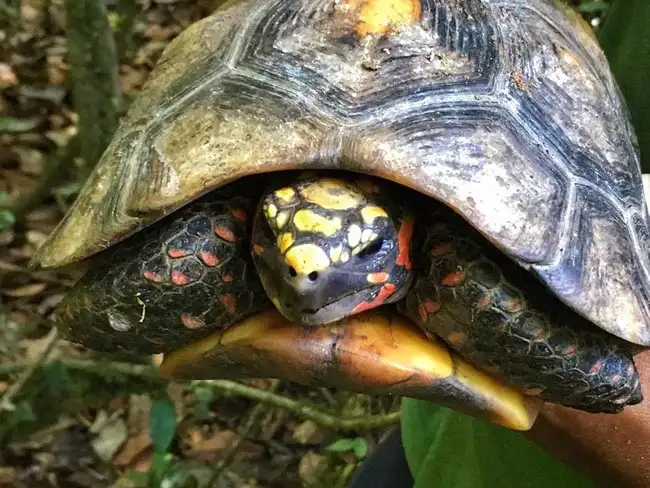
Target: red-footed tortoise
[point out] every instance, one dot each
(434, 198)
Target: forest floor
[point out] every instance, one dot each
(73, 418)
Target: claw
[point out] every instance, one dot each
(374, 353)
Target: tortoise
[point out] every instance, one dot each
(439, 199)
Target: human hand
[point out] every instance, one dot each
(612, 450)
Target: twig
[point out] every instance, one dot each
(306, 412)
(102, 368)
(16, 386)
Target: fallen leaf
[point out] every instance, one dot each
(7, 475)
(308, 433)
(208, 447)
(110, 439)
(311, 467)
(132, 450)
(138, 417)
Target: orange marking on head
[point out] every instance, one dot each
(239, 214)
(190, 322)
(257, 249)
(404, 237)
(229, 301)
(179, 278)
(386, 291)
(454, 278)
(378, 278)
(225, 233)
(381, 16)
(153, 276)
(226, 277)
(208, 258)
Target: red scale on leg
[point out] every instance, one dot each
(179, 278)
(190, 322)
(177, 253)
(239, 214)
(225, 233)
(440, 249)
(570, 351)
(153, 276)
(595, 369)
(229, 301)
(454, 278)
(208, 258)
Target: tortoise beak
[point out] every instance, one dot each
(373, 353)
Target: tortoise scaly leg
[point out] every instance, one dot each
(171, 283)
(500, 318)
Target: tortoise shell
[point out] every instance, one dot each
(504, 110)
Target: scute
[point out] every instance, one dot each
(504, 110)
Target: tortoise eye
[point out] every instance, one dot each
(372, 248)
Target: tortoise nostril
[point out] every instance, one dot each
(288, 305)
(292, 272)
(313, 276)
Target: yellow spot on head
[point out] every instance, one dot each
(369, 214)
(335, 253)
(366, 235)
(306, 258)
(345, 256)
(380, 16)
(281, 221)
(271, 211)
(378, 278)
(333, 194)
(284, 241)
(354, 235)
(287, 195)
(309, 221)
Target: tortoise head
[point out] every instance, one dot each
(326, 248)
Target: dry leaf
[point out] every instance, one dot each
(138, 418)
(110, 439)
(308, 433)
(311, 467)
(132, 450)
(208, 447)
